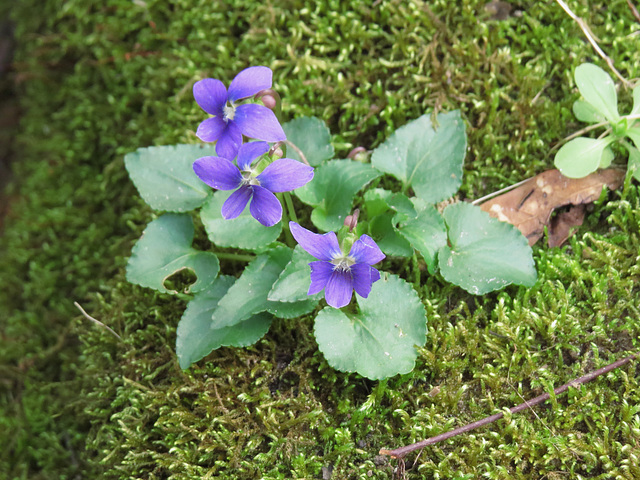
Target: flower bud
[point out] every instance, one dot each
(269, 98)
(359, 154)
(352, 220)
(269, 102)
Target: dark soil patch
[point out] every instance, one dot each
(9, 113)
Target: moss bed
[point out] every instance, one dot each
(99, 79)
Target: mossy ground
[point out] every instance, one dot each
(99, 79)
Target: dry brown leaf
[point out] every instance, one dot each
(529, 207)
(561, 226)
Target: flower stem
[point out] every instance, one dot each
(290, 210)
(302, 156)
(415, 265)
(234, 256)
(285, 220)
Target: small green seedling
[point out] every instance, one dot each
(581, 156)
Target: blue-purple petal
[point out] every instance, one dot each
(323, 247)
(285, 175)
(265, 207)
(362, 279)
(218, 173)
(257, 121)
(249, 152)
(320, 273)
(249, 82)
(375, 275)
(236, 203)
(211, 95)
(211, 129)
(229, 142)
(365, 250)
(339, 288)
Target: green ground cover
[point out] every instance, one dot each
(99, 79)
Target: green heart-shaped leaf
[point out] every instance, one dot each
(165, 178)
(332, 190)
(294, 281)
(485, 254)
(380, 340)
(241, 232)
(425, 157)
(381, 229)
(312, 137)
(165, 249)
(198, 335)
(248, 296)
(426, 232)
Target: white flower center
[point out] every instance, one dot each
(343, 263)
(228, 112)
(248, 178)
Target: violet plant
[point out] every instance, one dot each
(294, 188)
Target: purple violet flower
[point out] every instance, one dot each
(231, 121)
(339, 274)
(283, 175)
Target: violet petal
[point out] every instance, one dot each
(210, 95)
(249, 152)
(229, 142)
(218, 172)
(257, 121)
(362, 279)
(320, 273)
(211, 129)
(265, 207)
(339, 288)
(237, 201)
(249, 82)
(365, 250)
(323, 247)
(285, 175)
(375, 275)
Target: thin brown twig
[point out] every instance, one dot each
(97, 322)
(499, 192)
(587, 33)
(577, 134)
(634, 10)
(401, 452)
(224, 409)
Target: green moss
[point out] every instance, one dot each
(97, 80)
